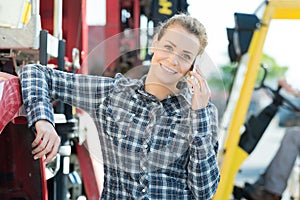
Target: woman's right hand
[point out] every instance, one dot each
(201, 89)
(46, 142)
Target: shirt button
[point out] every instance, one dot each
(145, 146)
(194, 115)
(144, 190)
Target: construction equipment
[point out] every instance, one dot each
(256, 125)
(246, 48)
(56, 33)
(24, 41)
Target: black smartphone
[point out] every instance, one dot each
(193, 68)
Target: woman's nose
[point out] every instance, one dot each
(174, 59)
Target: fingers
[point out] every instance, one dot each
(201, 90)
(200, 84)
(37, 140)
(46, 142)
(54, 151)
(47, 147)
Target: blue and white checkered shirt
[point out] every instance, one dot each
(151, 149)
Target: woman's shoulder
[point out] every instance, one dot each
(122, 80)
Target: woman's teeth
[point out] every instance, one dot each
(168, 69)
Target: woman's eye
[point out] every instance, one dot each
(169, 48)
(186, 56)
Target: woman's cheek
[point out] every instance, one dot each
(185, 69)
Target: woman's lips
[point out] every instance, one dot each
(168, 70)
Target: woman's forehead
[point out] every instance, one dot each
(181, 38)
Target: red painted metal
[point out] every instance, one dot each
(21, 176)
(84, 37)
(10, 102)
(136, 13)
(112, 27)
(88, 174)
(75, 29)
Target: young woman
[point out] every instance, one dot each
(158, 140)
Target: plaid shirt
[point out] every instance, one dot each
(151, 149)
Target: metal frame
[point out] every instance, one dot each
(233, 156)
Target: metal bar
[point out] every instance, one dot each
(235, 155)
(43, 56)
(61, 54)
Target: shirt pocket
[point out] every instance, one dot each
(179, 137)
(118, 122)
(171, 142)
(172, 130)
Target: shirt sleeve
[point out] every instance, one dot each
(40, 85)
(203, 171)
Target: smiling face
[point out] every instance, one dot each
(173, 55)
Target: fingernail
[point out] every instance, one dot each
(35, 157)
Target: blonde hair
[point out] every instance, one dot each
(191, 24)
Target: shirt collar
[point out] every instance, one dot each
(139, 84)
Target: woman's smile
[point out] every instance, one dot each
(168, 70)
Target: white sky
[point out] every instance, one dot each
(282, 42)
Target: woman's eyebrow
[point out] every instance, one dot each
(185, 51)
(171, 43)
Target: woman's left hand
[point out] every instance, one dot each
(202, 92)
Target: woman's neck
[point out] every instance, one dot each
(159, 90)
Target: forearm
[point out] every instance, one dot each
(40, 85)
(35, 95)
(203, 172)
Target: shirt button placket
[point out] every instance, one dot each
(144, 182)
(145, 146)
(144, 193)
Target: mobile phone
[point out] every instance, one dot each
(193, 65)
(193, 69)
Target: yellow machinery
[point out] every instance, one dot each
(233, 155)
